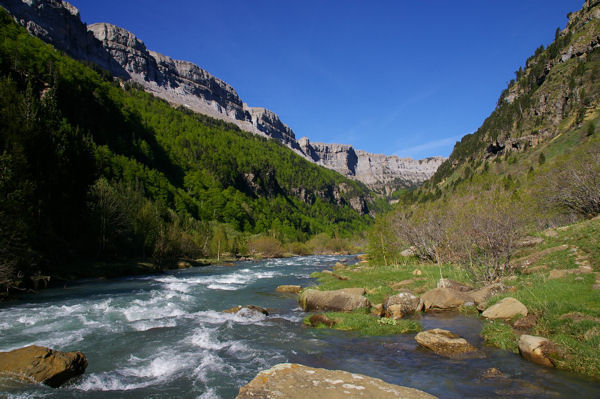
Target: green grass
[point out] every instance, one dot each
(366, 324)
(500, 335)
(578, 337)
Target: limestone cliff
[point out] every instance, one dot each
(183, 83)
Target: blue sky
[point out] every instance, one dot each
(397, 77)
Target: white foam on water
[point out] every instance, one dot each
(145, 325)
(214, 317)
(211, 363)
(109, 382)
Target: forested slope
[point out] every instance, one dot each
(92, 168)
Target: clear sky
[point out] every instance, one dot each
(404, 77)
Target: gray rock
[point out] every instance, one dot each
(295, 381)
(402, 304)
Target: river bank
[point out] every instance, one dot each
(166, 336)
(557, 281)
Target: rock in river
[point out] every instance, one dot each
(247, 308)
(537, 349)
(39, 364)
(444, 342)
(335, 301)
(294, 381)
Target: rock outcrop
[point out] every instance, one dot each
(444, 342)
(383, 173)
(335, 301)
(42, 365)
(183, 83)
(295, 381)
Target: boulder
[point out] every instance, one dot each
(481, 295)
(294, 289)
(329, 272)
(39, 282)
(336, 301)
(402, 304)
(537, 349)
(444, 299)
(455, 285)
(295, 381)
(444, 342)
(251, 308)
(505, 309)
(318, 319)
(42, 365)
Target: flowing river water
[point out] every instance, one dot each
(164, 336)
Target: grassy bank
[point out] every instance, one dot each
(557, 280)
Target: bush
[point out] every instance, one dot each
(266, 247)
(574, 185)
(477, 232)
(297, 248)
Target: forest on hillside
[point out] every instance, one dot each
(95, 168)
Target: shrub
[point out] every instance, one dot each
(574, 185)
(267, 247)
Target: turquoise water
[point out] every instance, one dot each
(164, 336)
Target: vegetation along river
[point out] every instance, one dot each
(164, 336)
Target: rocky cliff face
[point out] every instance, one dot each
(183, 83)
(382, 173)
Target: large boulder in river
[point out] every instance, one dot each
(294, 381)
(444, 342)
(537, 349)
(335, 301)
(445, 299)
(506, 309)
(41, 365)
(402, 304)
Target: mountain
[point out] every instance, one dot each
(554, 93)
(534, 163)
(185, 84)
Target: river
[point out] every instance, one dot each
(164, 336)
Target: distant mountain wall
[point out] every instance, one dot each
(185, 84)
